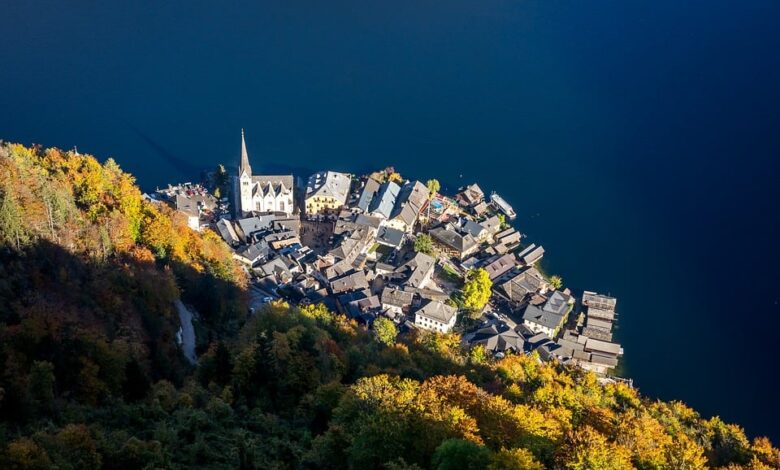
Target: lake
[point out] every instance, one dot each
(638, 141)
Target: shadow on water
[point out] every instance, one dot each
(181, 165)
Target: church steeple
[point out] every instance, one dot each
(244, 169)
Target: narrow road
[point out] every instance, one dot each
(186, 333)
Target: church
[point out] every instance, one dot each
(261, 193)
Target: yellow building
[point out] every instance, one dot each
(327, 190)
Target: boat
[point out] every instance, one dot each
(502, 205)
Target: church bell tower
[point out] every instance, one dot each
(244, 180)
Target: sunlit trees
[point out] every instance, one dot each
(556, 282)
(433, 186)
(477, 290)
(385, 330)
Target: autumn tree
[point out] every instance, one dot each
(385, 331)
(433, 186)
(476, 291)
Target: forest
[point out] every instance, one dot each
(91, 375)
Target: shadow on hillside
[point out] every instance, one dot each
(107, 327)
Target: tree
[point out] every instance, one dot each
(587, 449)
(514, 459)
(455, 454)
(433, 186)
(556, 281)
(42, 383)
(477, 290)
(502, 221)
(385, 331)
(424, 244)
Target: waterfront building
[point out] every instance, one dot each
(261, 193)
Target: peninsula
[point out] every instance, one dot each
(307, 321)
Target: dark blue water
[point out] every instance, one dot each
(638, 141)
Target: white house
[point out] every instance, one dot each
(436, 316)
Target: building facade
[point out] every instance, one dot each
(327, 191)
(261, 193)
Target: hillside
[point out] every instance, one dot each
(91, 377)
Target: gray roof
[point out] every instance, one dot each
(438, 311)
(329, 184)
(531, 254)
(541, 317)
(396, 297)
(498, 339)
(557, 303)
(525, 283)
(599, 301)
(354, 281)
(602, 347)
(251, 225)
(255, 251)
(369, 191)
(421, 266)
(473, 228)
(226, 230)
(491, 224)
(460, 243)
(501, 265)
(272, 184)
(410, 202)
(384, 202)
(390, 236)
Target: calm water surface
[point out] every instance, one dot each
(638, 141)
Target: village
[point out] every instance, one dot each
(378, 246)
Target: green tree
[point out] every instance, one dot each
(385, 330)
(556, 281)
(433, 186)
(476, 291)
(424, 244)
(456, 454)
(514, 459)
(502, 221)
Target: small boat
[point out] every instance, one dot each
(502, 205)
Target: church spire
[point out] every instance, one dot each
(244, 168)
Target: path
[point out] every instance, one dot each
(186, 334)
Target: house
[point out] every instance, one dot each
(531, 254)
(396, 301)
(411, 200)
(261, 193)
(492, 225)
(350, 282)
(389, 236)
(384, 202)
(189, 207)
(326, 191)
(501, 266)
(419, 270)
(253, 254)
(367, 196)
(558, 303)
(470, 196)
(453, 243)
(436, 316)
(227, 232)
(525, 283)
(539, 320)
(474, 229)
(498, 339)
(249, 226)
(281, 268)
